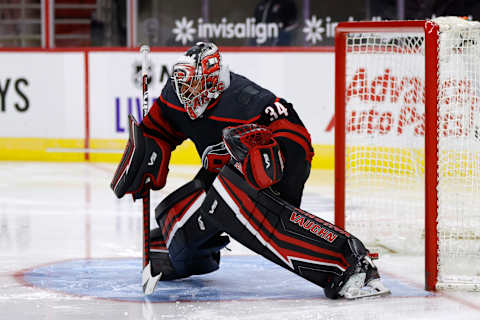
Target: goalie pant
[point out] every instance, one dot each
(290, 237)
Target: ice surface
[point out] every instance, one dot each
(64, 215)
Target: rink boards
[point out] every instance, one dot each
(72, 105)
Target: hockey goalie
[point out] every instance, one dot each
(256, 155)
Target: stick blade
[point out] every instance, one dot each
(149, 282)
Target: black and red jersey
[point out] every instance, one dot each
(242, 102)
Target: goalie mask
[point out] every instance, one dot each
(198, 77)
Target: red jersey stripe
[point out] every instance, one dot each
(222, 119)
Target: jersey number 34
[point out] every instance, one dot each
(276, 111)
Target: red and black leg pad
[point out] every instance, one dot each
(292, 238)
(193, 245)
(254, 147)
(144, 163)
(160, 260)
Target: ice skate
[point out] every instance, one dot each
(364, 283)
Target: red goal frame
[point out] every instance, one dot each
(430, 31)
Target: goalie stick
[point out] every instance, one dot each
(149, 282)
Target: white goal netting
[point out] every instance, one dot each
(385, 144)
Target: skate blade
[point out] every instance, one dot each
(365, 294)
(374, 288)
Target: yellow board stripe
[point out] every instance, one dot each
(36, 149)
(110, 150)
(183, 154)
(396, 161)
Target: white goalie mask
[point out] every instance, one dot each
(198, 77)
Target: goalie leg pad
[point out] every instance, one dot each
(193, 244)
(292, 238)
(144, 161)
(160, 260)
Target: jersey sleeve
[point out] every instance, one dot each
(156, 123)
(288, 129)
(295, 144)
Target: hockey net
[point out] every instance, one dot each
(381, 141)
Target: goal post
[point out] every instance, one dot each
(407, 142)
(431, 155)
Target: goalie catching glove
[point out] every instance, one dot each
(254, 148)
(144, 163)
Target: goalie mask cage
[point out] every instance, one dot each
(407, 142)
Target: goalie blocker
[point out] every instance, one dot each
(290, 237)
(144, 163)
